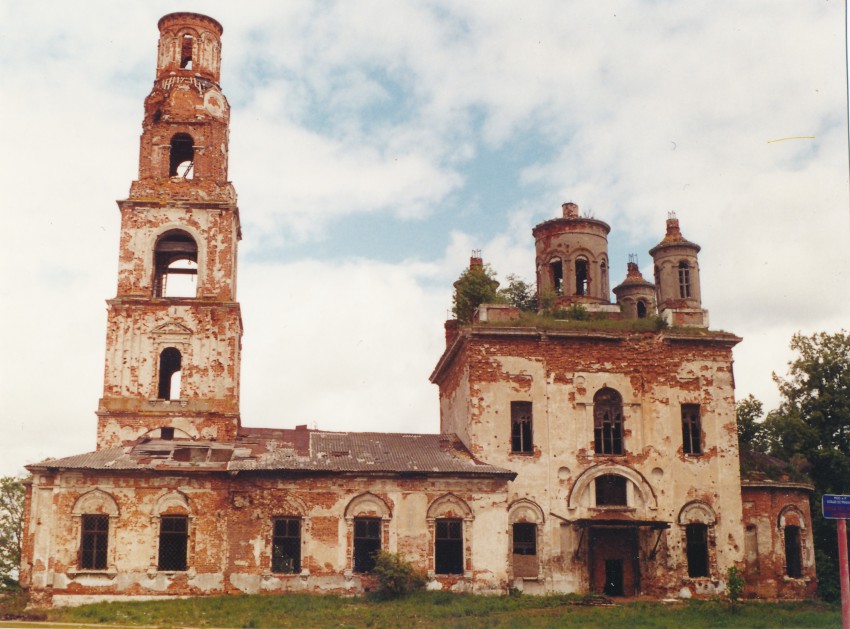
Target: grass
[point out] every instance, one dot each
(444, 610)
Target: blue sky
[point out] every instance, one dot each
(375, 143)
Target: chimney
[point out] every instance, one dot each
(570, 210)
(476, 261)
(452, 331)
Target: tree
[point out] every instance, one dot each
(476, 285)
(520, 294)
(11, 530)
(752, 434)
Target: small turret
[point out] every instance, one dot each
(677, 282)
(635, 295)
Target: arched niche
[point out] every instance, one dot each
(96, 502)
(791, 515)
(367, 505)
(173, 502)
(449, 506)
(697, 512)
(640, 492)
(524, 510)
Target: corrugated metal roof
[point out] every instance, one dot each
(299, 450)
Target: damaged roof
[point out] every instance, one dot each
(291, 450)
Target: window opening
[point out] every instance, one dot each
(173, 542)
(525, 549)
(182, 157)
(751, 548)
(94, 542)
(556, 267)
(641, 309)
(166, 433)
(696, 536)
(367, 543)
(521, 427)
(176, 265)
(186, 52)
(793, 554)
(169, 367)
(611, 491)
(448, 546)
(582, 278)
(286, 545)
(603, 272)
(691, 429)
(608, 422)
(684, 280)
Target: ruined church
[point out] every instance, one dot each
(600, 457)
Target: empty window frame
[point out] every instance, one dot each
(448, 546)
(641, 309)
(181, 162)
(556, 268)
(94, 542)
(170, 365)
(582, 276)
(367, 543)
(173, 542)
(521, 428)
(684, 280)
(793, 552)
(286, 545)
(696, 538)
(611, 491)
(691, 429)
(175, 265)
(186, 47)
(608, 422)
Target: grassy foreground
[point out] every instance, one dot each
(435, 609)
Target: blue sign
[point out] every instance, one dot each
(836, 507)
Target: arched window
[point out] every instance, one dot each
(186, 52)
(641, 309)
(608, 422)
(182, 156)
(684, 280)
(175, 265)
(169, 374)
(793, 552)
(582, 276)
(526, 519)
(556, 268)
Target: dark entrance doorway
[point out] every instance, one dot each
(614, 561)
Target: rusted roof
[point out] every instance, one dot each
(287, 450)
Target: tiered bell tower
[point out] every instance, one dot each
(174, 327)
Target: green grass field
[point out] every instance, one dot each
(435, 610)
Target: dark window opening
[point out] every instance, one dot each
(525, 539)
(448, 547)
(521, 427)
(608, 422)
(169, 375)
(611, 491)
(696, 536)
(166, 433)
(684, 280)
(173, 542)
(556, 267)
(691, 429)
(641, 310)
(793, 552)
(94, 542)
(286, 545)
(175, 265)
(182, 157)
(186, 52)
(367, 543)
(582, 277)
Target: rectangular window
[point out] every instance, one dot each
(793, 563)
(173, 542)
(611, 491)
(367, 543)
(684, 280)
(525, 549)
(521, 427)
(286, 545)
(94, 541)
(697, 541)
(691, 429)
(448, 547)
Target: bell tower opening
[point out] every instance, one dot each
(186, 52)
(176, 265)
(182, 156)
(170, 365)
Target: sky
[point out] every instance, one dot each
(375, 143)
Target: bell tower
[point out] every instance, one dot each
(174, 327)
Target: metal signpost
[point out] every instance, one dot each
(838, 508)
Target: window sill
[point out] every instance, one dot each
(517, 453)
(286, 575)
(614, 508)
(85, 572)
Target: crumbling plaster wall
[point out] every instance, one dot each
(230, 532)
(560, 377)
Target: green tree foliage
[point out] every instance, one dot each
(11, 530)
(396, 576)
(476, 285)
(812, 424)
(520, 294)
(752, 433)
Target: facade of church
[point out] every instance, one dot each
(593, 457)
